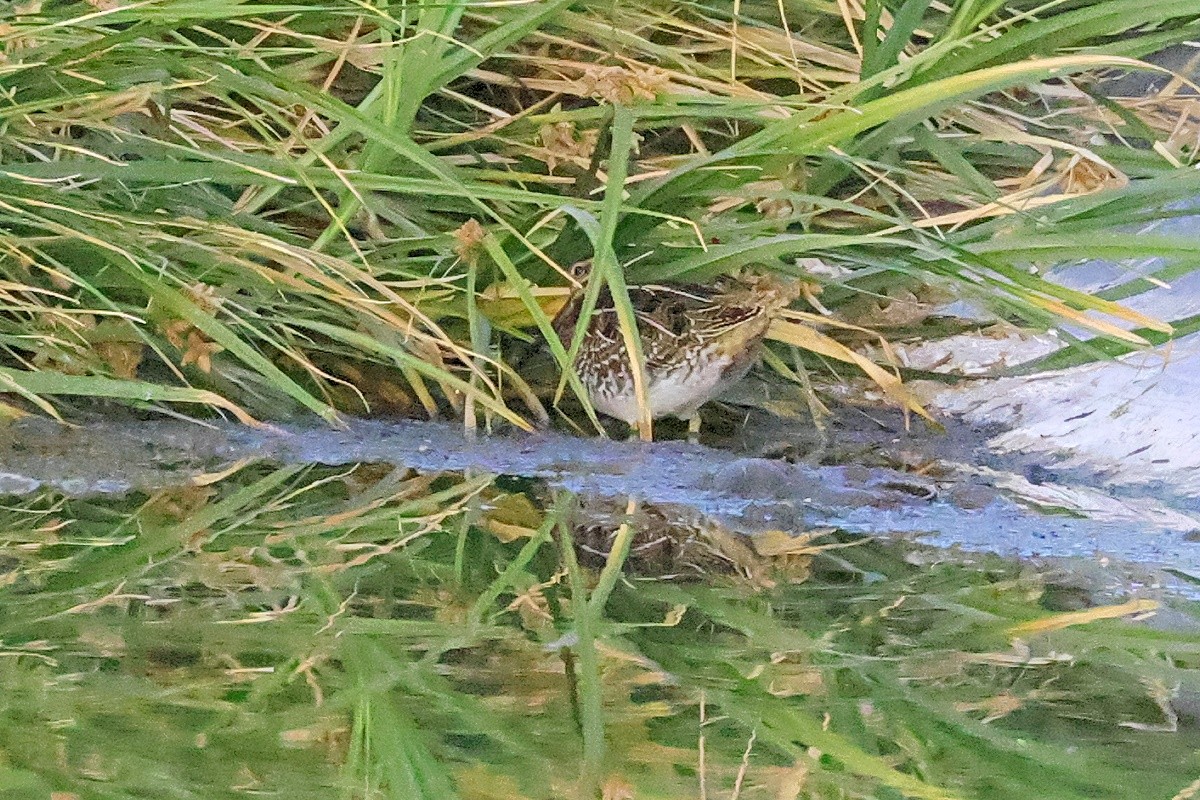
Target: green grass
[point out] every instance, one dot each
(267, 209)
(275, 210)
(365, 632)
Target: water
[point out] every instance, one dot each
(965, 505)
(395, 610)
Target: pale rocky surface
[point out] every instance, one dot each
(1130, 424)
(978, 354)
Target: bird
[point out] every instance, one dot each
(697, 341)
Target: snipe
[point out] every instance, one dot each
(697, 340)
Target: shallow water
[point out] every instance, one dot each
(376, 631)
(1019, 511)
(225, 618)
(396, 610)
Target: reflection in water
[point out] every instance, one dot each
(672, 542)
(372, 631)
(950, 500)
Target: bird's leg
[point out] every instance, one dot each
(694, 429)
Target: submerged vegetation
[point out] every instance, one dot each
(269, 208)
(365, 631)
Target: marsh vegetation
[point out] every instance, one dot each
(271, 211)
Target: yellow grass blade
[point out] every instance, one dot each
(806, 338)
(1060, 621)
(1098, 325)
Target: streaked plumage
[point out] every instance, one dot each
(697, 341)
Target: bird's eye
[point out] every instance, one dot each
(679, 323)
